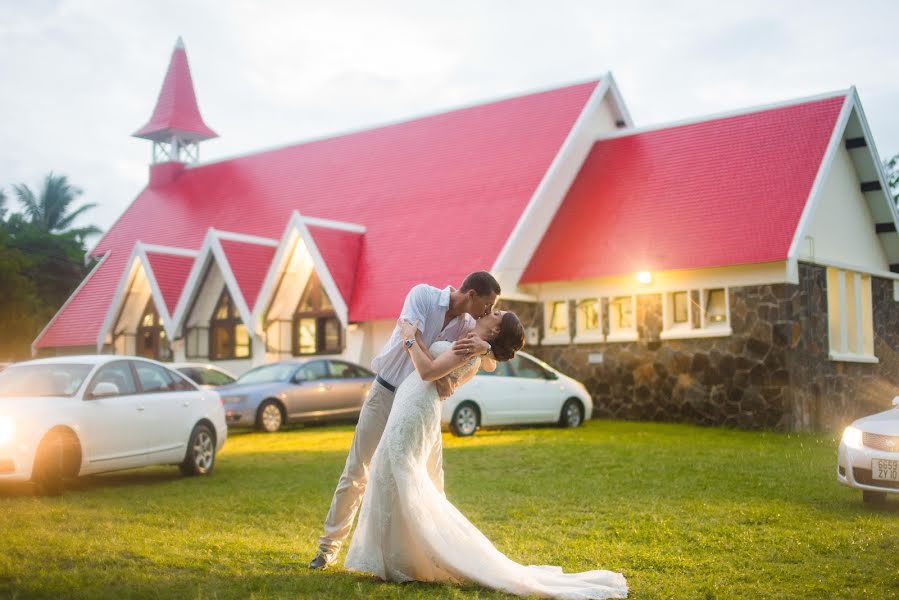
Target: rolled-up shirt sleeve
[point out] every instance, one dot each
(417, 305)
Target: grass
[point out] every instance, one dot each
(682, 511)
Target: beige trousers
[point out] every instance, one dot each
(351, 486)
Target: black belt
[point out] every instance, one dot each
(385, 384)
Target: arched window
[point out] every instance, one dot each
(316, 328)
(228, 334)
(151, 338)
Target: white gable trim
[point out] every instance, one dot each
(157, 249)
(221, 259)
(298, 224)
(243, 237)
(69, 299)
(852, 103)
(191, 286)
(550, 193)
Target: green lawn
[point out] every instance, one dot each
(682, 511)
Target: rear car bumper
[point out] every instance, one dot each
(854, 469)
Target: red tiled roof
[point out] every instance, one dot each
(438, 197)
(249, 263)
(176, 109)
(170, 272)
(340, 251)
(725, 191)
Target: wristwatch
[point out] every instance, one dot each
(409, 343)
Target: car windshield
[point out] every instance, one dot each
(55, 379)
(268, 373)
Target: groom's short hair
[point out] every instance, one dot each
(482, 283)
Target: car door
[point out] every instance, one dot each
(350, 386)
(537, 394)
(168, 410)
(112, 424)
(308, 395)
(494, 391)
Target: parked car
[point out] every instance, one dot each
(76, 415)
(868, 458)
(205, 375)
(312, 389)
(522, 390)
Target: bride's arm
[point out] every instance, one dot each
(430, 369)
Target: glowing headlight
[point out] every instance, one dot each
(7, 430)
(852, 437)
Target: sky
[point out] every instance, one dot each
(80, 76)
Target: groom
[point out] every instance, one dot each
(447, 314)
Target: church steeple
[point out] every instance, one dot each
(176, 127)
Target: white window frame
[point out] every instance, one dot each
(556, 338)
(590, 336)
(674, 331)
(624, 334)
(860, 348)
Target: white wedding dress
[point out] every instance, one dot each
(409, 531)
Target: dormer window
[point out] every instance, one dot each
(316, 328)
(151, 338)
(228, 335)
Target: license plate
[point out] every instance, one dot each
(885, 470)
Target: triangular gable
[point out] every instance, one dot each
(719, 191)
(851, 219)
(334, 248)
(170, 272)
(241, 259)
(249, 262)
(165, 269)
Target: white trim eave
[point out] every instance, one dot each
(875, 159)
(748, 110)
(116, 299)
(190, 290)
(619, 101)
(823, 168)
(168, 321)
(243, 237)
(69, 299)
(157, 249)
(573, 150)
(240, 302)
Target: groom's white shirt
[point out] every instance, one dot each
(426, 305)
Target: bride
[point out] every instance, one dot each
(408, 530)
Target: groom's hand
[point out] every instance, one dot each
(470, 344)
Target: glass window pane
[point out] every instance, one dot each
(681, 307)
(222, 341)
(152, 378)
(588, 315)
(715, 306)
(304, 335)
(558, 320)
(117, 373)
(223, 310)
(526, 368)
(502, 370)
(621, 313)
(241, 341)
(331, 335)
(315, 370)
(214, 377)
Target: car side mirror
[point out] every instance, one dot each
(550, 375)
(896, 401)
(104, 389)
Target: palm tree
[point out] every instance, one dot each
(49, 211)
(2, 206)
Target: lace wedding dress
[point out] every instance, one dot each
(409, 531)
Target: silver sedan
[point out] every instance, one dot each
(296, 391)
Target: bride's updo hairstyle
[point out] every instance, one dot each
(510, 338)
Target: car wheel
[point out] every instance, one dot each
(200, 457)
(869, 497)
(466, 419)
(269, 416)
(572, 413)
(58, 457)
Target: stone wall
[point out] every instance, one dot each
(772, 372)
(828, 395)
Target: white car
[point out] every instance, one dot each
(868, 457)
(75, 415)
(520, 391)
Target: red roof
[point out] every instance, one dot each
(170, 272)
(725, 191)
(176, 109)
(249, 263)
(438, 197)
(340, 251)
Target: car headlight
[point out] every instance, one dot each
(852, 437)
(233, 399)
(7, 430)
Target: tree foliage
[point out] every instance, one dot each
(891, 167)
(41, 260)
